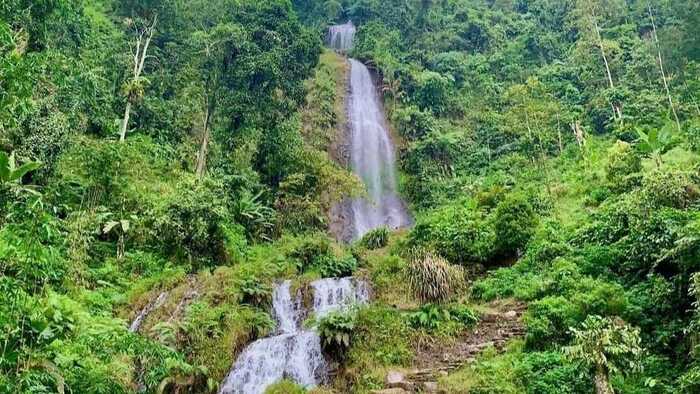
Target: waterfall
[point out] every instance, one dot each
(294, 353)
(340, 37)
(372, 151)
(372, 158)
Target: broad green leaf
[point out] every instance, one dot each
(24, 169)
(4, 167)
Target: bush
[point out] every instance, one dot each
(514, 223)
(336, 330)
(381, 337)
(434, 91)
(572, 299)
(436, 318)
(376, 239)
(433, 279)
(458, 232)
(336, 267)
(412, 123)
(310, 250)
(623, 163)
(192, 222)
(694, 134)
(255, 291)
(674, 189)
(517, 371)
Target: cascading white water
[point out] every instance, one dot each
(372, 154)
(372, 158)
(332, 294)
(154, 304)
(295, 353)
(340, 37)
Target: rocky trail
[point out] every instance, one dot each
(501, 323)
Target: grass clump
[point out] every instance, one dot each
(376, 239)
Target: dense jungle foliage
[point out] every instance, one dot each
(180, 156)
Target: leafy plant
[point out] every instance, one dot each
(656, 142)
(255, 291)
(336, 267)
(433, 317)
(121, 227)
(255, 216)
(607, 345)
(430, 317)
(336, 330)
(9, 172)
(514, 223)
(184, 377)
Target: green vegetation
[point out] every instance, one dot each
(181, 158)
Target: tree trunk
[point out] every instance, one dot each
(663, 72)
(602, 385)
(204, 147)
(125, 122)
(617, 111)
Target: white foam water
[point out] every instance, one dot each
(334, 294)
(295, 353)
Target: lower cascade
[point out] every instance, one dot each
(294, 353)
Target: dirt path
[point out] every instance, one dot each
(501, 322)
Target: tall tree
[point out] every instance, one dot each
(134, 88)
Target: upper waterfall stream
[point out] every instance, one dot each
(372, 151)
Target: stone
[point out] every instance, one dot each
(389, 391)
(510, 315)
(430, 387)
(393, 378)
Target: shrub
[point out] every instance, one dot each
(191, 222)
(434, 91)
(623, 163)
(517, 371)
(448, 320)
(458, 232)
(514, 223)
(376, 239)
(430, 317)
(572, 299)
(606, 346)
(336, 267)
(433, 279)
(674, 189)
(412, 123)
(255, 291)
(310, 250)
(336, 330)
(381, 337)
(694, 135)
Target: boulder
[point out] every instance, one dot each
(394, 377)
(430, 387)
(389, 391)
(511, 315)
